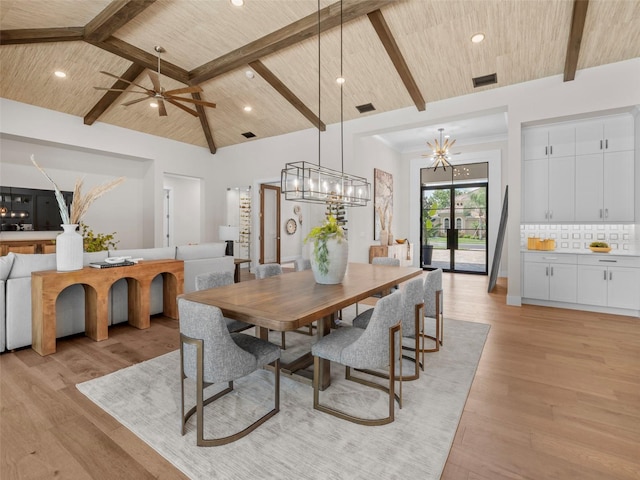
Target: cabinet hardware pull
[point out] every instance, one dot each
(606, 213)
(549, 258)
(610, 275)
(546, 150)
(600, 213)
(605, 274)
(606, 143)
(552, 271)
(600, 144)
(551, 150)
(609, 261)
(550, 214)
(547, 269)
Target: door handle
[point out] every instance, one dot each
(552, 271)
(546, 151)
(605, 274)
(606, 143)
(547, 272)
(600, 144)
(610, 275)
(600, 213)
(551, 150)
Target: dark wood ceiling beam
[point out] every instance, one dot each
(291, 34)
(41, 35)
(147, 60)
(109, 98)
(388, 41)
(202, 115)
(575, 38)
(116, 15)
(289, 96)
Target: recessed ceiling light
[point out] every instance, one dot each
(59, 74)
(477, 38)
(249, 74)
(153, 104)
(340, 80)
(237, 3)
(247, 108)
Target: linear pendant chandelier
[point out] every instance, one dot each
(309, 182)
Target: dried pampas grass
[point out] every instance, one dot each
(81, 203)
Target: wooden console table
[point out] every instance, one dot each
(47, 285)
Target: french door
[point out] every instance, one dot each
(454, 227)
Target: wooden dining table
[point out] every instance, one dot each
(292, 300)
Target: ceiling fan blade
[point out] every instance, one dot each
(191, 100)
(179, 105)
(177, 91)
(126, 104)
(124, 80)
(154, 80)
(162, 110)
(119, 90)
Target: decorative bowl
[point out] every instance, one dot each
(600, 249)
(401, 240)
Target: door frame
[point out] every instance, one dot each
(263, 187)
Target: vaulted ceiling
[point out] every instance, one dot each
(395, 54)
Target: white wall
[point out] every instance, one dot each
(597, 89)
(185, 193)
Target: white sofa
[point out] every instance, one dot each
(15, 288)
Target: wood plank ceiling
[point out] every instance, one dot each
(396, 54)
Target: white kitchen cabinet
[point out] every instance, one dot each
(550, 277)
(606, 134)
(548, 189)
(609, 282)
(549, 142)
(605, 187)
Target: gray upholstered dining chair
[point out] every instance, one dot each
(302, 264)
(376, 347)
(412, 325)
(433, 307)
(210, 354)
(266, 270)
(205, 281)
(388, 261)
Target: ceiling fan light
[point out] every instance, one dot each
(153, 104)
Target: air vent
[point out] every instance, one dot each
(248, 134)
(367, 107)
(485, 80)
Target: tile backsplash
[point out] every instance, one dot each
(619, 237)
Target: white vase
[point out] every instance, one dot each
(337, 259)
(69, 249)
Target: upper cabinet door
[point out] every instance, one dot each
(536, 143)
(618, 133)
(610, 134)
(589, 137)
(562, 141)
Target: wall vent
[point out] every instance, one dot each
(485, 80)
(248, 134)
(367, 107)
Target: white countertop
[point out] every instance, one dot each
(586, 251)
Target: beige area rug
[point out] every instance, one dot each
(300, 442)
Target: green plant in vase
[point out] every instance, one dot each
(330, 229)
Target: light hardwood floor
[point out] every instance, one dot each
(556, 396)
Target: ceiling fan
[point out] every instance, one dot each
(159, 94)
